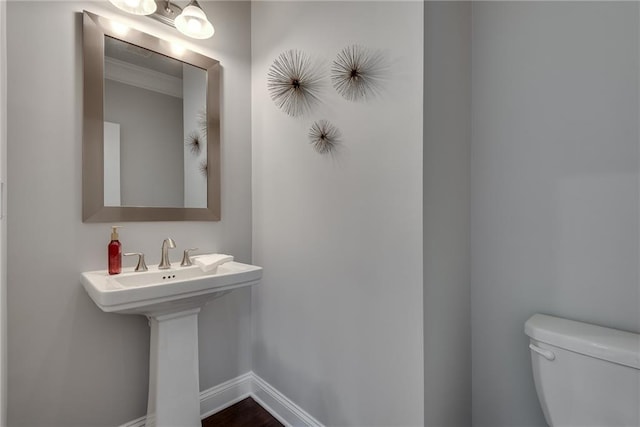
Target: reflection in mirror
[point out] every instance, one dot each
(151, 129)
(153, 140)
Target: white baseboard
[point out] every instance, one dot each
(140, 422)
(229, 392)
(226, 394)
(281, 407)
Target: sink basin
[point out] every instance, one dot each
(163, 291)
(171, 299)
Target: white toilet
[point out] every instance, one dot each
(585, 375)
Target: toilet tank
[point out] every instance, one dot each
(585, 375)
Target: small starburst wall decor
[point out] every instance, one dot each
(197, 139)
(357, 73)
(204, 168)
(294, 83)
(324, 136)
(194, 142)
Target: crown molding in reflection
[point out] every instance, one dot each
(144, 78)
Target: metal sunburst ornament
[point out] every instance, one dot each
(293, 83)
(204, 168)
(357, 73)
(194, 142)
(324, 136)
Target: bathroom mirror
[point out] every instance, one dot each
(151, 131)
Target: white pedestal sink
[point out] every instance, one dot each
(171, 299)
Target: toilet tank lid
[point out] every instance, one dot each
(584, 338)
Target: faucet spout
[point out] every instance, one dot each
(167, 244)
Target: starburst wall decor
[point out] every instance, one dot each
(194, 142)
(293, 83)
(357, 73)
(204, 168)
(324, 136)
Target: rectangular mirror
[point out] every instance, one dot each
(151, 134)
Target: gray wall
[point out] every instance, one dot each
(338, 315)
(3, 220)
(69, 363)
(151, 145)
(447, 122)
(554, 184)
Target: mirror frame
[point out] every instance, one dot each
(95, 28)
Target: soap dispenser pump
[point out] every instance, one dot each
(115, 252)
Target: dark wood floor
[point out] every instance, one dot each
(246, 413)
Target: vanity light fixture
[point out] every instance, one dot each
(190, 21)
(136, 7)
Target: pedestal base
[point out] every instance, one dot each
(174, 384)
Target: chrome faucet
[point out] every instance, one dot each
(167, 244)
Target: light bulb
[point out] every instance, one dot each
(194, 25)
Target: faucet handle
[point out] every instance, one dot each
(142, 266)
(186, 259)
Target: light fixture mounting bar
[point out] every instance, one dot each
(166, 12)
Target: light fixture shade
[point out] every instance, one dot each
(193, 22)
(136, 7)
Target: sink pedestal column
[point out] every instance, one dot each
(174, 384)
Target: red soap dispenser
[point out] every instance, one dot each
(115, 252)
